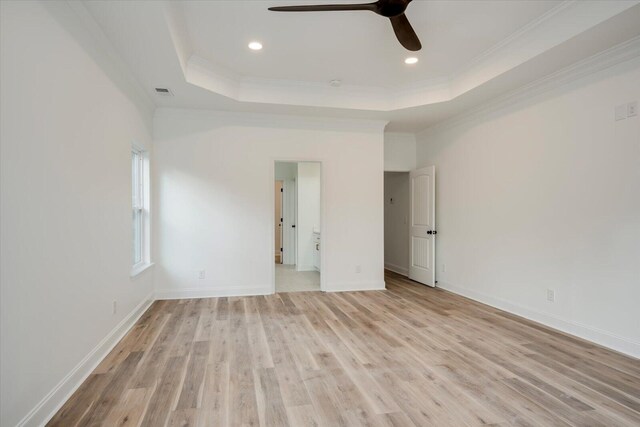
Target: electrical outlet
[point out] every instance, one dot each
(551, 295)
(115, 307)
(201, 274)
(632, 109)
(444, 267)
(358, 269)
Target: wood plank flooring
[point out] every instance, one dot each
(407, 356)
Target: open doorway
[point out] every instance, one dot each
(396, 222)
(409, 224)
(297, 226)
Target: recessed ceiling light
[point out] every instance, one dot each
(255, 45)
(411, 60)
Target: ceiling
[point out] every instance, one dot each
(472, 51)
(319, 47)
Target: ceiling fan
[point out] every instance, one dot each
(392, 9)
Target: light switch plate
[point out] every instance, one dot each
(632, 109)
(621, 112)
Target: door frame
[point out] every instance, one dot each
(324, 230)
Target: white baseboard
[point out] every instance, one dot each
(57, 397)
(163, 294)
(588, 333)
(355, 286)
(397, 269)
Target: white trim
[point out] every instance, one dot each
(520, 33)
(139, 268)
(593, 335)
(323, 216)
(623, 52)
(355, 286)
(53, 401)
(397, 269)
(230, 118)
(188, 293)
(556, 27)
(144, 207)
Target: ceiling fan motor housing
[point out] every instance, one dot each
(390, 8)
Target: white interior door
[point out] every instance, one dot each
(422, 232)
(281, 224)
(289, 222)
(278, 221)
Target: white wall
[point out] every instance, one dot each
(399, 152)
(396, 222)
(544, 193)
(65, 144)
(214, 177)
(309, 188)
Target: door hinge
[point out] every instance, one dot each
(281, 250)
(281, 190)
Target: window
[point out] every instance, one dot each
(139, 190)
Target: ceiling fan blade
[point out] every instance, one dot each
(325, 7)
(405, 33)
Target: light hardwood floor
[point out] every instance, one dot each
(410, 355)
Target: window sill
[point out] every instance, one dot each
(140, 268)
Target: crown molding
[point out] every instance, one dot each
(217, 118)
(565, 21)
(624, 52)
(559, 25)
(213, 77)
(518, 34)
